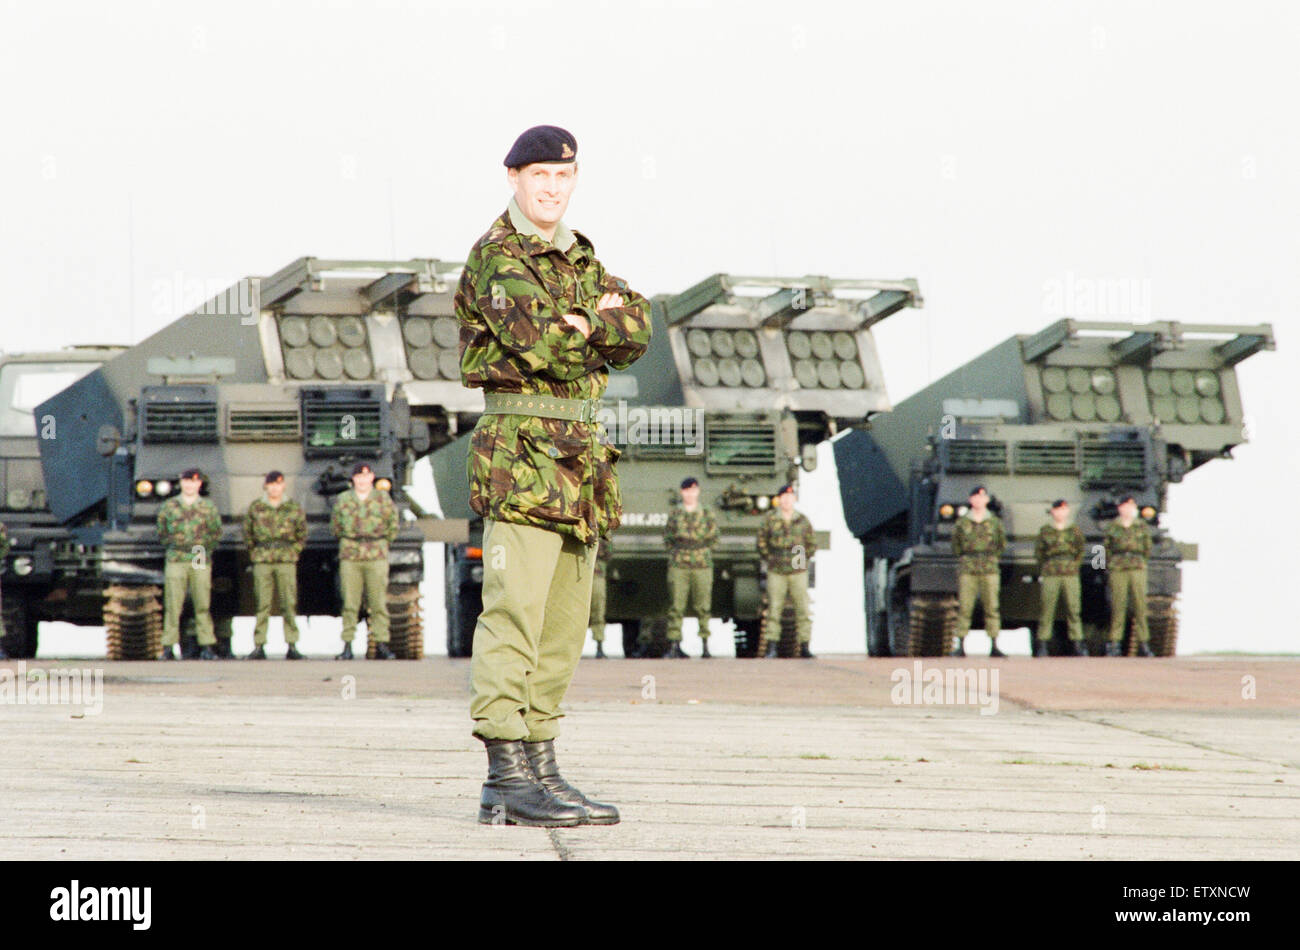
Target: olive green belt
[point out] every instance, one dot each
(548, 407)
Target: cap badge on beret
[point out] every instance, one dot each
(542, 143)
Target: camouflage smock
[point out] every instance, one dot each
(1127, 549)
(979, 544)
(1059, 552)
(182, 528)
(4, 540)
(364, 528)
(690, 536)
(603, 550)
(516, 286)
(276, 534)
(786, 547)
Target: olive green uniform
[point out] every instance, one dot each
(596, 616)
(541, 469)
(978, 544)
(1127, 551)
(1060, 555)
(365, 528)
(276, 535)
(190, 534)
(787, 548)
(690, 536)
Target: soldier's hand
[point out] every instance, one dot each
(609, 301)
(578, 322)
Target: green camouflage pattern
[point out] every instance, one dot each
(182, 528)
(4, 540)
(1059, 551)
(1128, 548)
(364, 528)
(690, 536)
(554, 474)
(603, 550)
(276, 534)
(786, 547)
(979, 544)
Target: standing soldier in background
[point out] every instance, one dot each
(786, 544)
(4, 551)
(978, 539)
(364, 520)
(190, 528)
(691, 533)
(276, 532)
(1059, 549)
(1128, 546)
(541, 324)
(596, 616)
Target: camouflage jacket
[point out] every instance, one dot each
(276, 534)
(690, 536)
(182, 528)
(4, 540)
(786, 547)
(364, 528)
(516, 286)
(1128, 548)
(1059, 551)
(979, 544)
(603, 551)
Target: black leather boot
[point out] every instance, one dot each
(1144, 648)
(541, 756)
(382, 652)
(1112, 648)
(805, 652)
(674, 651)
(207, 653)
(347, 651)
(704, 653)
(168, 653)
(292, 653)
(1040, 648)
(512, 794)
(259, 653)
(959, 649)
(994, 651)
(771, 650)
(600, 650)
(1080, 647)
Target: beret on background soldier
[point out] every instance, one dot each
(273, 476)
(689, 481)
(361, 467)
(542, 143)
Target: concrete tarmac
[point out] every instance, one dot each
(838, 757)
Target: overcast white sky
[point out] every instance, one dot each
(986, 149)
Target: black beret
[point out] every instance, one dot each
(1125, 498)
(689, 481)
(274, 476)
(542, 143)
(1059, 503)
(191, 473)
(788, 487)
(976, 490)
(362, 467)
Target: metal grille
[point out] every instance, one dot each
(738, 446)
(263, 424)
(340, 427)
(1046, 458)
(1105, 463)
(976, 455)
(180, 422)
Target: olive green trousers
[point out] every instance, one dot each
(276, 585)
(1128, 585)
(368, 579)
(1052, 588)
(779, 588)
(983, 588)
(690, 591)
(596, 617)
(536, 604)
(182, 578)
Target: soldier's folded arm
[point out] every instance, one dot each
(526, 324)
(620, 334)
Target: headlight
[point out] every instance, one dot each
(162, 487)
(22, 566)
(946, 511)
(144, 488)
(383, 484)
(762, 503)
(961, 510)
(1148, 512)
